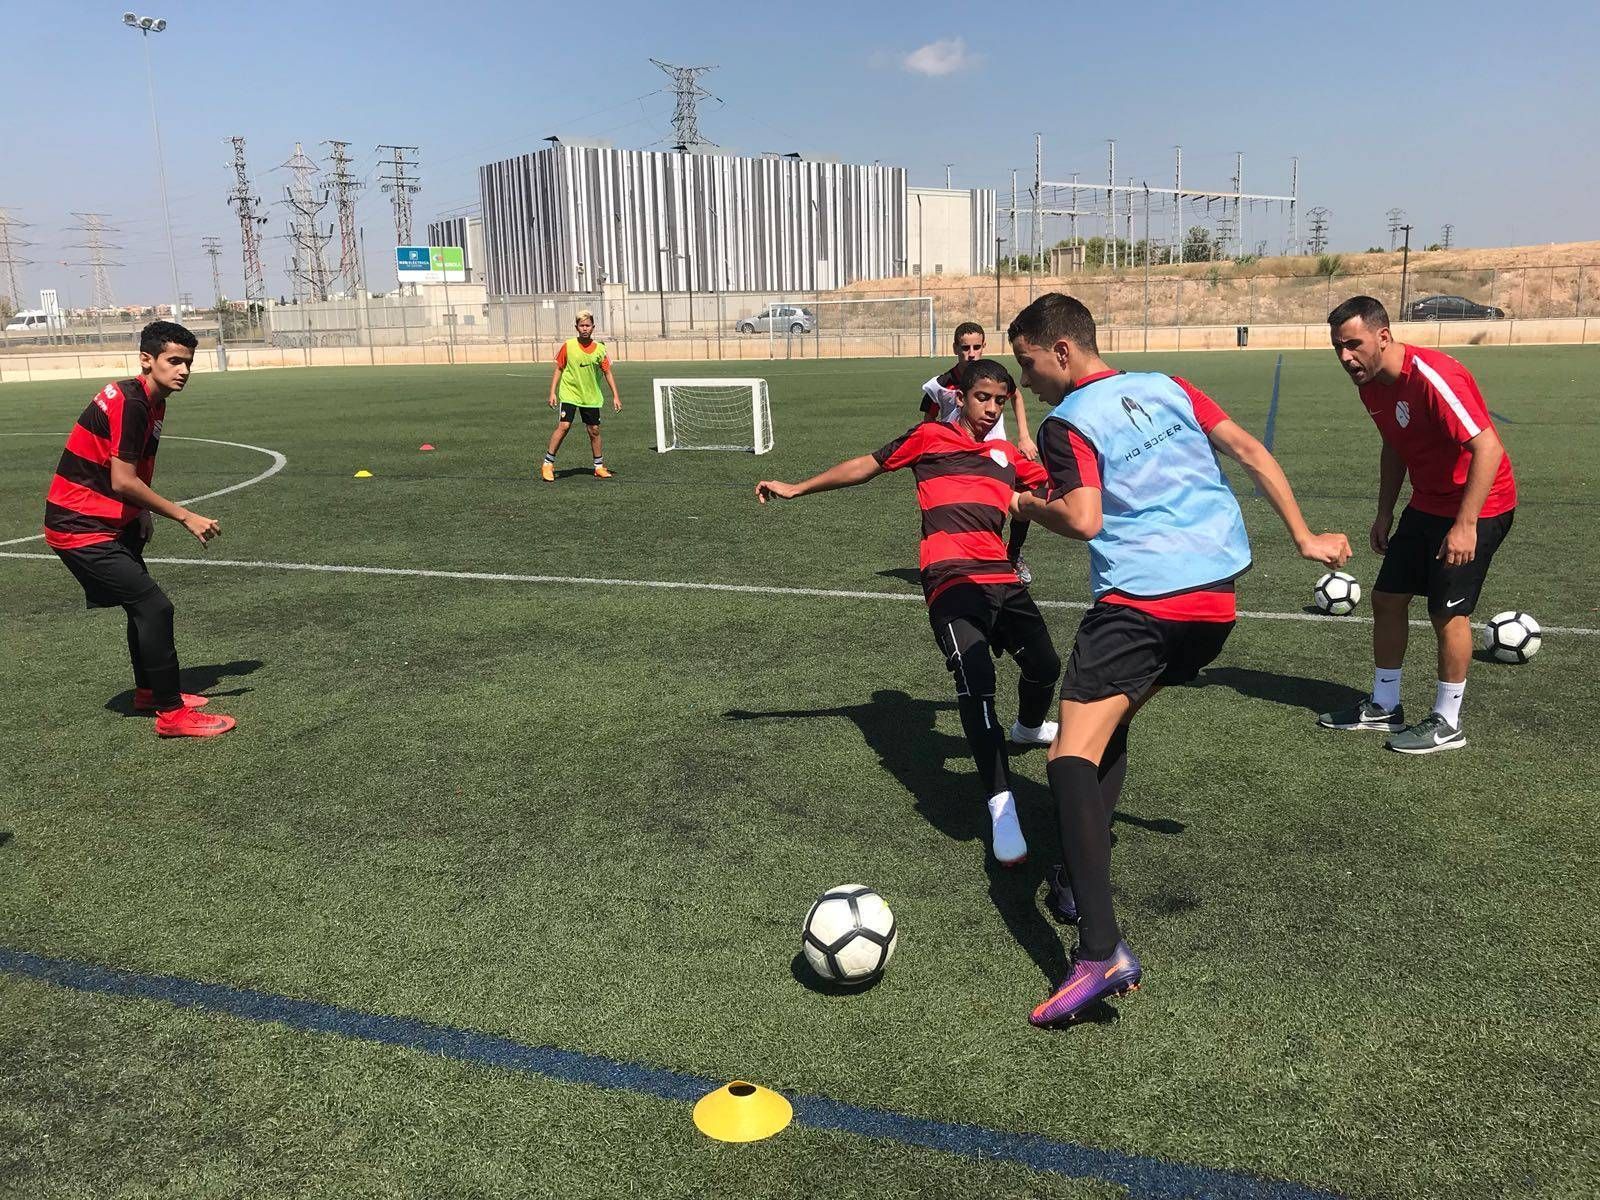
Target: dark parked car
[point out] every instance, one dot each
(1451, 308)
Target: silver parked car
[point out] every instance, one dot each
(790, 317)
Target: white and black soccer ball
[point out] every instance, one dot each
(1337, 594)
(1512, 637)
(849, 935)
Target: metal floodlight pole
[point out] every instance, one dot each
(1147, 268)
(146, 26)
(997, 241)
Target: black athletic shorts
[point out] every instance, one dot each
(591, 413)
(112, 573)
(1120, 651)
(1003, 612)
(1412, 566)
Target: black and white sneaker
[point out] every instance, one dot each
(1369, 715)
(1428, 736)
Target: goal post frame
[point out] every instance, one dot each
(760, 419)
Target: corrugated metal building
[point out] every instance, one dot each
(466, 232)
(572, 218)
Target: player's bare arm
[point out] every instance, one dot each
(1460, 545)
(1232, 439)
(1075, 515)
(616, 396)
(127, 485)
(847, 474)
(1025, 443)
(1391, 475)
(555, 381)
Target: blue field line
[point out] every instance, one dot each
(1145, 1178)
(1271, 430)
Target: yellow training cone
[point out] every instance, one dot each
(363, 474)
(741, 1112)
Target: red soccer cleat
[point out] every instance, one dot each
(144, 700)
(186, 722)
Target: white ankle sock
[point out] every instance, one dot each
(1386, 687)
(1447, 701)
(1009, 844)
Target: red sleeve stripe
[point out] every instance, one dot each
(1206, 410)
(1088, 461)
(1439, 385)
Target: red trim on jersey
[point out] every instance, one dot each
(963, 489)
(987, 577)
(1095, 378)
(1208, 604)
(1206, 410)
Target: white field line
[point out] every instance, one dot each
(673, 585)
(278, 464)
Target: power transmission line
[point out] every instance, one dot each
(688, 93)
(1448, 235)
(1397, 218)
(401, 187)
(308, 266)
(9, 245)
(213, 247)
(1319, 229)
(248, 205)
(93, 226)
(345, 187)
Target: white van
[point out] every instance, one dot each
(32, 320)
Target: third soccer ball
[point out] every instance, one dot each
(1512, 637)
(1337, 594)
(849, 935)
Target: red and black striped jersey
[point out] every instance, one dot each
(80, 509)
(964, 490)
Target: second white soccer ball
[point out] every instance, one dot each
(1512, 637)
(849, 935)
(1337, 594)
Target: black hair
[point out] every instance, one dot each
(985, 368)
(154, 337)
(1371, 311)
(965, 328)
(1054, 316)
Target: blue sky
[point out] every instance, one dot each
(1483, 115)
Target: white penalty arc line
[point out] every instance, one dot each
(278, 464)
(748, 589)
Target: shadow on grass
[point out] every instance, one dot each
(1295, 691)
(806, 977)
(903, 574)
(198, 680)
(5, 836)
(901, 730)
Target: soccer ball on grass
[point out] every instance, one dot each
(1337, 594)
(849, 934)
(1512, 637)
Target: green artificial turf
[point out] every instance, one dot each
(591, 817)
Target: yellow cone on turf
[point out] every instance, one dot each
(363, 474)
(741, 1112)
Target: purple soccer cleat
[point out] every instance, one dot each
(1089, 982)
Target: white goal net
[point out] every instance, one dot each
(713, 414)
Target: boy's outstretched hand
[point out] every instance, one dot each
(773, 489)
(1331, 549)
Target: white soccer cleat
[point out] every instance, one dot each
(1010, 847)
(1042, 736)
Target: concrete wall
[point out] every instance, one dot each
(949, 231)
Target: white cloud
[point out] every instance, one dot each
(944, 57)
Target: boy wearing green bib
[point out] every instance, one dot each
(575, 387)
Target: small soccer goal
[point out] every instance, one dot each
(713, 414)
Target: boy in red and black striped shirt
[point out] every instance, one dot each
(976, 604)
(97, 520)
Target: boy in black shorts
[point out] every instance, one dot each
(976, 604)
(1133, 472)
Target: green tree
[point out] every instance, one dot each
(1198, 245)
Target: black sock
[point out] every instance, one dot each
(1086, 849)
(141, 678)
(987, 743)
(151, 622)
(1113, 770)
(1033, 701)
(550, 458)
(1019, 534)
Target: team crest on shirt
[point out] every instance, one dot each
(1402, 413)
(1132, 406)
(999, 457)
